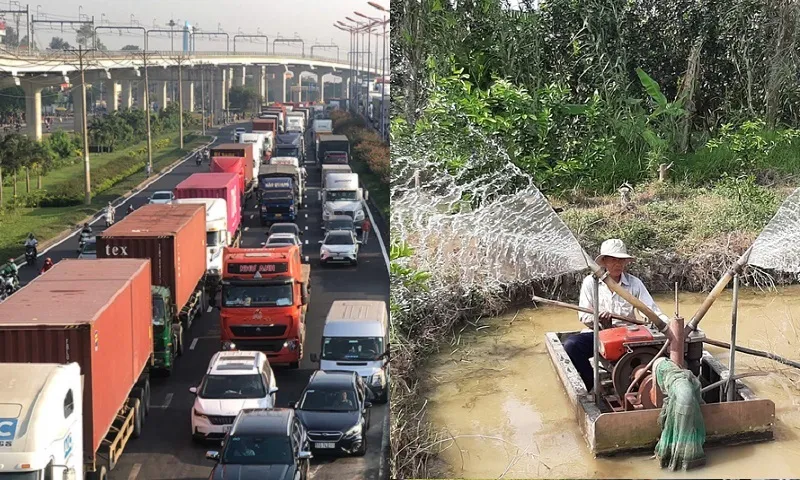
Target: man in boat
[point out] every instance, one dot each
(614, 258)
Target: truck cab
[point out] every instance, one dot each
(217, 235)
(167, 333)
(341, 195)
(265, 295)
(41, 421)
(277, 200)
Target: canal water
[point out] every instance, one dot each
(494, 391)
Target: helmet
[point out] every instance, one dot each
(86, 224)
(48, 260)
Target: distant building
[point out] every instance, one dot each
(2, 31)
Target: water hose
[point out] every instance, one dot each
(683, 431)
(732, 378)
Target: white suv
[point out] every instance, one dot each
(234, 380)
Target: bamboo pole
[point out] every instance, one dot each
(556, 303)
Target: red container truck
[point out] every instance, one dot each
(266, 125)
(233, 165)
(216, 185)
(245, 151)
(173, 237)
(98, 314)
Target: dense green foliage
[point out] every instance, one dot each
(591, 94)
(245, 99)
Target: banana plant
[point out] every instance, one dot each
(662, 124)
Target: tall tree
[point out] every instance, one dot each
(85, 37)
(58, 43)
(130, 48)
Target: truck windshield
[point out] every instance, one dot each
(287, 152)
(258, 450)
(213, 238)
(159, 311)
(257, 295)
(224, 387)
(352, 348)
(277, 194)
(339, 195)
(20, 476)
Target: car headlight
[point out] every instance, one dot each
(199, 414)
(324, 251)
(359, 215)
(353, 431)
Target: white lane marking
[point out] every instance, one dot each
(167, 400)
(209, 309)
(306, 225)
(194, 344)
(314, 470)
(141, 191)
(380, 239)
(306, 215)
(246, 228)
(306, 242)
(251, 216)
(134, 471)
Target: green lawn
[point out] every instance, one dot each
(46, 223)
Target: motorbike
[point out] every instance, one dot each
(85, 235)
(8, 285)
(109, 218)
(30, 255)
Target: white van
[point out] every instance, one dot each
(356, 338)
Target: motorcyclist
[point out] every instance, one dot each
(10, 269)
(109, 214)
(87, 230)
(31, 242)
(48, 264)
(130, 208)
(198, 158)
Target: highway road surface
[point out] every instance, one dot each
(165, 450)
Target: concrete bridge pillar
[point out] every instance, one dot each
(33, 109)
(141, 94)
(112, 91)
(127, 94)
(263, 85)
(161, 94)
(229, 78)
(239, 76)
(188, 96)
(220, 86)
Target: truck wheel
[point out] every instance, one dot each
(179, 349)
(138, 420)
(138, 393)
(100, 474)
(147, 397)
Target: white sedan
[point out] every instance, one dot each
(281, 239)
(163, 197)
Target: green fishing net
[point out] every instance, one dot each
(682, 429)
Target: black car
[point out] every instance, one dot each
(334, 411)
(285, 227)
(340, 222)
(263, 444)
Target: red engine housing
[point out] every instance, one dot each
(612, 340)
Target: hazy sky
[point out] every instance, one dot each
(312, 20)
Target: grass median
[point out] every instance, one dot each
(48, 222)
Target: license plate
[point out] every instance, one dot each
(278, 215)
(324, 445)
(226, 428)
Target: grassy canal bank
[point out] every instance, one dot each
(113, 174)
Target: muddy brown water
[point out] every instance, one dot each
(496, 393)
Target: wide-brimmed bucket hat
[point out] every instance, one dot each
(613, 248)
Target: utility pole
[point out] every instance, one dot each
(180, 99)
(211, 102)
(147, 111)
(203, 98)
(84, 126)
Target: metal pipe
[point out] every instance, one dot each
(603, 276)
(556, 303)
(732, 378)
(716, 291)
(755, 353)
(596, 346)
(732, 357)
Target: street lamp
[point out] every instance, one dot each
(37, 9)
(80, 9)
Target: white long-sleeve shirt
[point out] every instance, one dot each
(611, 302)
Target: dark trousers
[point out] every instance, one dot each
(579, 349)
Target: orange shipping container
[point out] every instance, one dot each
(173, 237)
(97, 313)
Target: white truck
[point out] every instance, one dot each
(320, 127)
(341, 195)
(295, 122)
(259, 139)
(217, 235)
